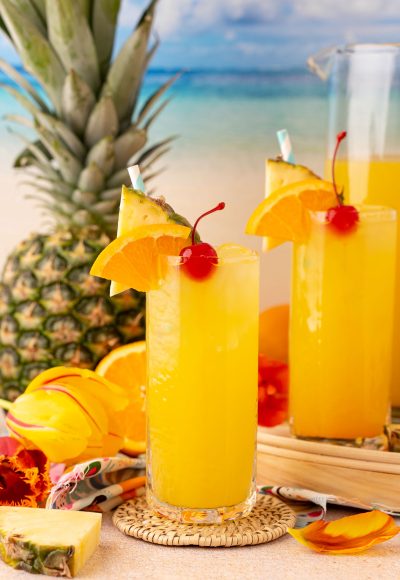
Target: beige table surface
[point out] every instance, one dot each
(121, 558)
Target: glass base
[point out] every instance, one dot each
(186, 515)
(379, 443)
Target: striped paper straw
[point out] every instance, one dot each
(136, 178)
(286, 146)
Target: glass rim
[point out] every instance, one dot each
(371, 213)
(251, 257)
(368, 47)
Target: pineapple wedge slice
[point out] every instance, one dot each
(50, 542)
(138, 209)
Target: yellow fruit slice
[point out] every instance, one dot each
(126, 367)
(138, 259)
(284, 214)
(136, 209)
(230, 251)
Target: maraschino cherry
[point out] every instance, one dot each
(343, 218)
(199, 259)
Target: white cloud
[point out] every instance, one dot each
(172, 16)
(338, 9)
(129, 13)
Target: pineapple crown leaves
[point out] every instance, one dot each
(88, 126)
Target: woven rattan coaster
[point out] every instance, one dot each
(269, 519)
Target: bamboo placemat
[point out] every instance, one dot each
(269, 520)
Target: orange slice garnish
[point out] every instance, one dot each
(126, 366)
(284, 214)
(137, 260)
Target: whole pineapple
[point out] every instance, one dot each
(88, 130)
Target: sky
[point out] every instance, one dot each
(256, 34)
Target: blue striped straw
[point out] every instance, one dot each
(136, 178)
(286, 146)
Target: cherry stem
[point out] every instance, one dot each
(339, 139)
(216, 208)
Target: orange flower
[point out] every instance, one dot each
(349, 535)
(24, 474)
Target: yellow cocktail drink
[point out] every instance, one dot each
(202, 338)
(341, 327)
(376, 182)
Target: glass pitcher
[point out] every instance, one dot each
(364, 100)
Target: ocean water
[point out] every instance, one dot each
(226, 124)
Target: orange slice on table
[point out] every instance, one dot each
(284, 214)
(126, 367)
(137, 260)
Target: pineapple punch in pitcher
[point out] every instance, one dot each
(202, 353)
(364, 99)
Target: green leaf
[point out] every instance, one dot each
(154, 157)
(103, 155)
(84, 198)
(24, 158)
(128, 144)
(24, 121)
(153, 174)
(4, 27)
(45, 169)
(91, 179)
(153, 149)
(154, 116)
(28, 9)
(106, 207)
(26, 103)
(125, 75)
(104, 21)
(40, 6)
(119, 178)
(77, 102)
(113, 194)
(152, 50)
(69, 166)
(154, 97)
(72, 39)
(102, 122)
(59, 129)
(85, 7)
(36, 53)
(60, 185)
(23, 83)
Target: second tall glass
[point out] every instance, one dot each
(341, 329)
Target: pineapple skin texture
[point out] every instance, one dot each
(52, 312)
(24, 547)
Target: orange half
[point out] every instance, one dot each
(284, 214)
(126, 366)
(137, 260)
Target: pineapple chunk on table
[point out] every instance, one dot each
(50, 542)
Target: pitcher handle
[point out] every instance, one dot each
(321, 63)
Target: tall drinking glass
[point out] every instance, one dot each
(364, 100)
(202, 339)
(341, 329)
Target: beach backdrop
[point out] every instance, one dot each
(244, 77)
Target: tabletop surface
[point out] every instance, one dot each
(121, 558)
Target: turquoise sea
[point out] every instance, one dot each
(216, 112)
(226, 122)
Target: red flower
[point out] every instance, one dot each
(273, 379)
(24, 474)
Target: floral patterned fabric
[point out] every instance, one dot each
(99, 484)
